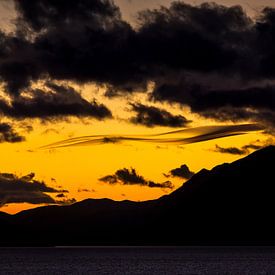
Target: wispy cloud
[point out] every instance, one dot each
(183, 136)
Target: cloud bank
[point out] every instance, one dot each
(212, 58)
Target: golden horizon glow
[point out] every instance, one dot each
(79, 168)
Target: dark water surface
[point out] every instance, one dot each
(138, 260)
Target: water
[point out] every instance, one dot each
(137, 260)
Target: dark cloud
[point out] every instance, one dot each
(7, 134)
(232, 150)
(26, 189)
(88, 41)
(151, 116)
(130, 177)
(56, 101)
(83, 41)
(60, 195)
(181, 172)
(253, 146)
(45, 14)
(244, 150)
(255, 103)
(85, 190)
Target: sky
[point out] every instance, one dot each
(130, 8)
(128, 99)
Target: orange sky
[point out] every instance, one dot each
(79, 168)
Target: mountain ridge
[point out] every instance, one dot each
(229, 204)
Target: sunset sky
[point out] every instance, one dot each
(127, 99)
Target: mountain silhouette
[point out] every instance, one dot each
(232, 204)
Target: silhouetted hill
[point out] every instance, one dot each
(4, 216)
(231, 204)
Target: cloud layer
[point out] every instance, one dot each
(212, 58)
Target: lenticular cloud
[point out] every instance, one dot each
(178, 137)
